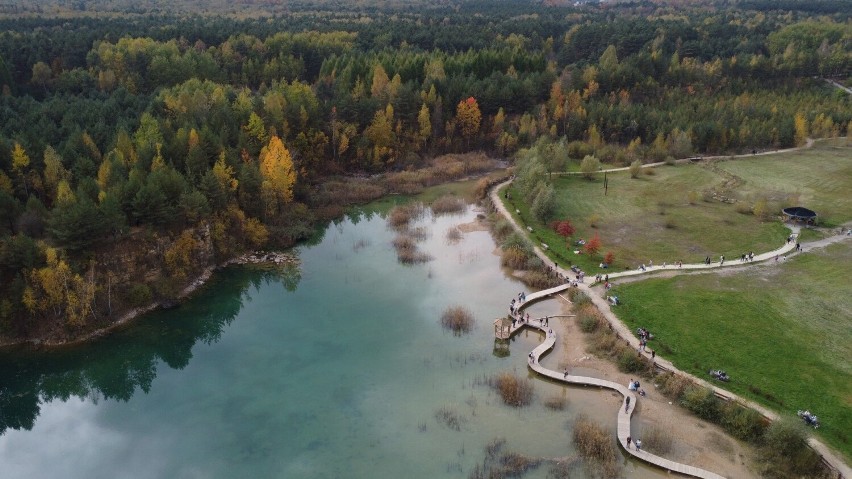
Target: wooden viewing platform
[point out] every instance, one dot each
(623, 415)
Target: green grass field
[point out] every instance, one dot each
(663, 216)
(782, 332)
(820, 176)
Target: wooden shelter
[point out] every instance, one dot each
(799, 213)
(502, 328)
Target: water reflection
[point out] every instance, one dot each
(117, 367)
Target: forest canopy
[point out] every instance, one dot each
(232, 118)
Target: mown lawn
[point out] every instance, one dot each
(782, 332)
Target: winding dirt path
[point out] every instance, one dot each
(623, 332)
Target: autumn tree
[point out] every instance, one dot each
(468, 117)
(609, 258)
(800, 124)
(279, 176)
(564, 228)
(593, 245)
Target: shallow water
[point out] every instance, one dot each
(335, 371)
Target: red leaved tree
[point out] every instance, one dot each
(565, 228)
(609, 258)
(593, 245)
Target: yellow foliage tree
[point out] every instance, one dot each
(468, 117)
(801, 127)
(279, 176)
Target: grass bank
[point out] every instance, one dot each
(782, 332)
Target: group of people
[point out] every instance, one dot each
(637, 442)
(747, 256)
(635, 386)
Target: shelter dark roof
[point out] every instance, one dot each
(799, 212)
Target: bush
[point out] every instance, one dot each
(702, 402)
(543, 204)
(516, 240)
(742, 423)
(448, 204)
(514, 391)
(589, 166)
(673, 385)
(635, 169)
(742, 207)
(629, 361)
(588, 324)
(785, 453)
(594, 220)
(501, 229)
(139, 295)
(458, 319)
(539, 280)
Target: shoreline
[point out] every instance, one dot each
(271, 258)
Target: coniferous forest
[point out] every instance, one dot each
(142, 143)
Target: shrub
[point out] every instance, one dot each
(656, 440)
(595, 445)
(502, 229)
(742, 207)
(539, 280)
(589, 166)
(703, 402)
(594, 220)
(670, 160)
(609, 258)
(649, 171)
(516, 240)
(635, 169)
(514, 391)
(543, 204)
(513, 258)
(673, 385)
(139, 295)
(448, 204)
(785, 452)
(742, 423)
(588, 324)
(579, 298)
(458, 319)
(692, 197)
(629, 361)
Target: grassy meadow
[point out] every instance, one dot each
(663, 216)
(781, 331)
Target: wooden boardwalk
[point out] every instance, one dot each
(624, 415)
(829, 457)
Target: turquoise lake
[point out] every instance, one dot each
(335, 371)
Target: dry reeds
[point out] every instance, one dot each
(656, 440)
(499, 464)
(556, 403)
(407, 251)
(450, 418)
(454, 235)
(595, 445)
(400, 217)
(514, 391)
(458, 319)
(448, 205)
(514, 258)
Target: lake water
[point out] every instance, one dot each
(335, 371)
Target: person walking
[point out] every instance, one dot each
(626, 403)
(638, 443)
(628, 441)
